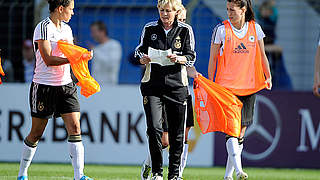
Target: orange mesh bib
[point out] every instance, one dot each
(217, 108)
(78, 58)
(239, 68)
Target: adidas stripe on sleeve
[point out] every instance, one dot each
(217, 34)
(41, 31)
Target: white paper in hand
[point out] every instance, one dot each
(160, 56)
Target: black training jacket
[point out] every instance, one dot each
(180, 39)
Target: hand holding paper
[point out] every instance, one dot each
(145, 59)
(160, 56)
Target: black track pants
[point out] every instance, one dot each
(176, 116)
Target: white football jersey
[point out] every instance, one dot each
(51, 75)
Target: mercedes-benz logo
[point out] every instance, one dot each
(256, 127)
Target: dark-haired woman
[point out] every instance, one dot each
(52, 91)
(238, 62)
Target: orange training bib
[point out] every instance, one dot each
(239, 68)
(217, 108)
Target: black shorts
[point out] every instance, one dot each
(247, 109)
(47, 101)
(190, 116)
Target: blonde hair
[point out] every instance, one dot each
(176, 4)
(181, 10)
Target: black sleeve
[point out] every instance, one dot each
(142, 48)
(132, 60)
(188, 50)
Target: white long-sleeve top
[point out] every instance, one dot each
(106, 62)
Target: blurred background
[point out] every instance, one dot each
(287, 128)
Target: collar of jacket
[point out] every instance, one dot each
(175, 22)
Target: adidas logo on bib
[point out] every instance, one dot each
(241, 49)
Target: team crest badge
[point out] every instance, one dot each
(145, 100)
(251, 38)
(154, 37)
(177, 43)
(40, 106)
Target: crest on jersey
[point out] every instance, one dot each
(251, 38)
(154, 37)
(145, 100)
(177, 43)
(40, 106)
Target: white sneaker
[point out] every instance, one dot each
(228, 178)
(145, 172)
(177, 178)
(156, 177)
(242, 176)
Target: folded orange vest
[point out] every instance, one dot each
(1, 71)
(78, 58)
(217, 108)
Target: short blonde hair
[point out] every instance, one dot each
(176, 4)
(181, 11)
(181, 8)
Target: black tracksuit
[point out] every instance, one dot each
(166, 87)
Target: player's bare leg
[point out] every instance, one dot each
(30, 146)
(76, 149)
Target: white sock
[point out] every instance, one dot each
(234, 154)
(76, 150)
(184, 157)
(229, 166)
(26, 158)
(148, 160)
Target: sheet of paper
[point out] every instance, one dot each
(160, 56)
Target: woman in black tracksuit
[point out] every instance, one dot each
(166, 86)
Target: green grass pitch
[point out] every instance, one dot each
(9, 171)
